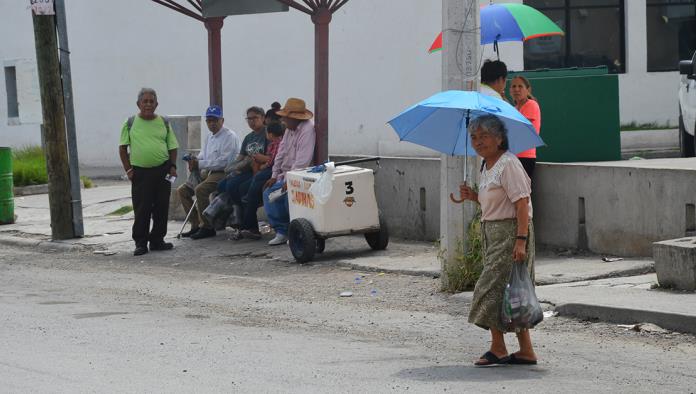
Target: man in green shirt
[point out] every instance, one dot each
(150, 166)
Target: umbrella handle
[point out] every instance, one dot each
(454, 200)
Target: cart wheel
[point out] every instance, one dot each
(379, 240)
(301, 240)
(321, 244)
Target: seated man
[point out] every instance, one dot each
(220, 147)
(295, 151)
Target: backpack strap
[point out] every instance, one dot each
(131, 119)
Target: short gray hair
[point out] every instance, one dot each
(144, 91)
(491, 124)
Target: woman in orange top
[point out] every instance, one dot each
(521, 92)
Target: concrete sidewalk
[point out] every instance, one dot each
(583, 286)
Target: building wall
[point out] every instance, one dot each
(379, 65)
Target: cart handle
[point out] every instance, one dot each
(356, 161)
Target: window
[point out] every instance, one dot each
(595, 35)
(671, 33)
(11, 89)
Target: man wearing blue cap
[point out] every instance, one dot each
(220, 147)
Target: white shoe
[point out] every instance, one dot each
(278, 240)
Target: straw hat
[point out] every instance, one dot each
(296, 109)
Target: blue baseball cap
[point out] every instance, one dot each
(214, 111)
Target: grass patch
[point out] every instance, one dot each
(463, 273)
(29, 166)
(86, 182)
(633, 126)
(122, 211)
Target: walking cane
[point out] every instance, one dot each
(188, 215)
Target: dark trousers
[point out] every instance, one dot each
(253, 199)
(150, 193)
(528, 165)
(232, 186)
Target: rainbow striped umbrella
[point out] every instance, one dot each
(510, 22)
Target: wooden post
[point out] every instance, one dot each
(53, 126)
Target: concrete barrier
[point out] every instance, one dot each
(675, 263)
(618, 208)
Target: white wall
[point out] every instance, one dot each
(644, 97)
(379, 65)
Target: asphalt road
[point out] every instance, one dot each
(75, 322)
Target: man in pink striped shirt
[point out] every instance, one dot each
(296, 151)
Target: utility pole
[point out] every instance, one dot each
(75, 192)
(53, 125)
(460, 71)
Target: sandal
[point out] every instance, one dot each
(513, 359)
(491, 359)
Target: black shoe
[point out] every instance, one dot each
(203, 232)
(140, 250)
(161, 246)
(190, 232)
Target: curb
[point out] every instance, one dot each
(669, 321)
(44, 246)
(369, 268)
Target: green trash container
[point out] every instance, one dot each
(579, 113)
(6, 187)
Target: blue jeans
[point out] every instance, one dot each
(278, 211)
(231, 186)
(253, 199)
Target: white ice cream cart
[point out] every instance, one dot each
(350, 208)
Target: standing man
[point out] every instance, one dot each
(493, 79)
(149, 166)
(220, 147)
(296, 151)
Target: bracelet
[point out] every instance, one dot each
(522, 237)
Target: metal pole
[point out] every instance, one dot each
(460, 63)
(321, 19)
(53, 126)
(214, 26)
(64, 52)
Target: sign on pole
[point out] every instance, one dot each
(215, 8)
(42, 7)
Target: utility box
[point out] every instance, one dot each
(579, 113)
(351, 207)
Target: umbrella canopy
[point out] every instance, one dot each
(510, 22)
(440, 122)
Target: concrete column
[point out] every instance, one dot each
(188, 132)
(460, 71)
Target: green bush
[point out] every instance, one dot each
(86, 182)
(467, 267)
(29, 166)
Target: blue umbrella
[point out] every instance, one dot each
(440, 122)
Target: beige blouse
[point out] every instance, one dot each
(502, 185)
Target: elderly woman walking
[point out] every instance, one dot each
(508, 237)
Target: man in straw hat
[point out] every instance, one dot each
(296, 151)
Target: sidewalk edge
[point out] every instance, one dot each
(668, 321)
(46, 246)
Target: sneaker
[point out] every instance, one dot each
(249, 234)
(278, 240)
(204, 232)
(190, 232)
(140, 250)
(157, 246)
